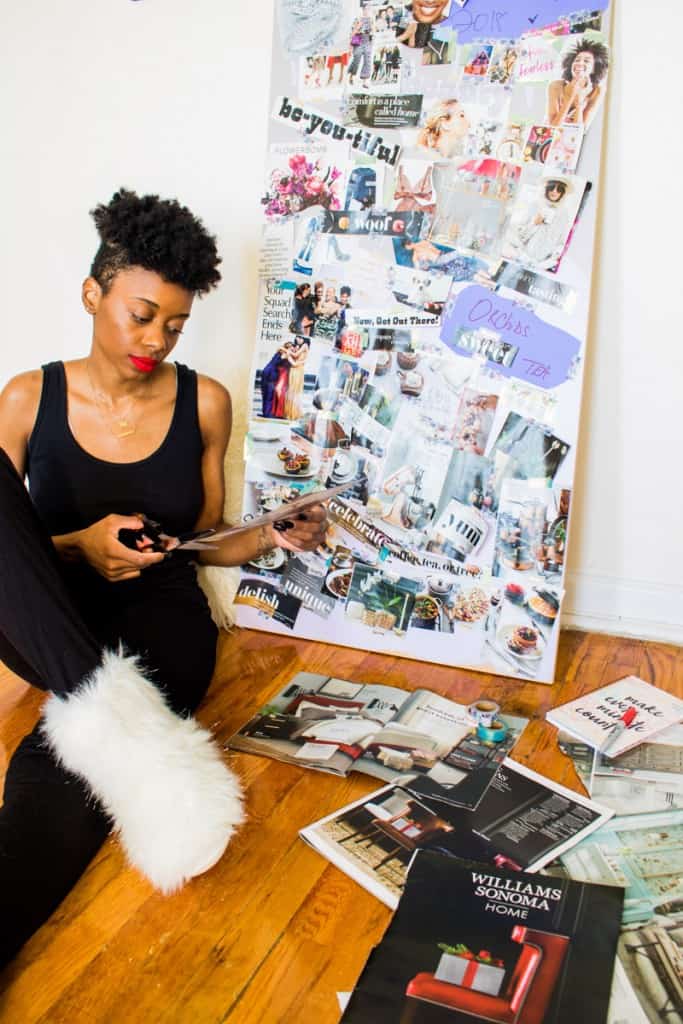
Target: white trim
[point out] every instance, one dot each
(635, 608)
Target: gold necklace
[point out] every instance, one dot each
(121, 426)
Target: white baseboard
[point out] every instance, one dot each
(636, 608)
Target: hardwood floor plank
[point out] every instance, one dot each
(318, 956)
(273, 931)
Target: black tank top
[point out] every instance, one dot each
(72, 489)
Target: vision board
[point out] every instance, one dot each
(429, 207)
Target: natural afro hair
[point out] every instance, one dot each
(155, 234)
(600, 55)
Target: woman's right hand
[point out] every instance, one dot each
(581, 88)
(99, 545)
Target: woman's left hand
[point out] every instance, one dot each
(307, 531)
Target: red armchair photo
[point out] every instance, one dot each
(524, 998)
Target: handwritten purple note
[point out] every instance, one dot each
(512, 339)
(498, 19)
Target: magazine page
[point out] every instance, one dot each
(319, 721)
(522, 822)
(659, 760)
(623, 783)
(437, 740)
(526, 819)
(593, 716)
(644, 854)
(335, 725)
(345, 839)
(629, 796)
(429, 207)
(472, 942)
(624, 1006)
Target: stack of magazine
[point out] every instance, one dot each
(641, 849)
(523, 822)
(454, 808)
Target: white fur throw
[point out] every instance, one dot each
(220, 584)
(162, 779)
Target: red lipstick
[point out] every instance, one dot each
(143, 363)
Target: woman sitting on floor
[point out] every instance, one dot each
(123, 637)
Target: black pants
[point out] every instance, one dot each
(53, 628)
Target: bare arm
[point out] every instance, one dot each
(590, 105)
(99, 543)
(557, 110)
(19, 403)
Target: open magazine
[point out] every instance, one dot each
(472, 942)
(523, 821)
(339, 726)
(642, 853)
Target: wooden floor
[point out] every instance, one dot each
(272, 932)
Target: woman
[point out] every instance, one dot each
(274, 383)
(540, 237)
(361, 50)
(574, 98)
(503, 70)
(302, 304)
(424, 14)
(445, 128)
(103, 439)
(326, 314)
(295, 389)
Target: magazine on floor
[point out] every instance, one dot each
(645, 779)
(338, 726)
(474, 942)
(598, 718)
(659, 760)
(523, 822)
(643, 853)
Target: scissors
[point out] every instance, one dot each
(208, 540)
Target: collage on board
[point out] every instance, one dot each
(429, 206)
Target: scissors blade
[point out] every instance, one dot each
(196, 540)
(196, 545)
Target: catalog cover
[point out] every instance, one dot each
(523, 821)
(472, 942)
(337, 725)
(429, 206)
(593, 716)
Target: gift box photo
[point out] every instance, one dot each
(480, 972)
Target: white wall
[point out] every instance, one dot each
(171, 96)
(626, 569)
